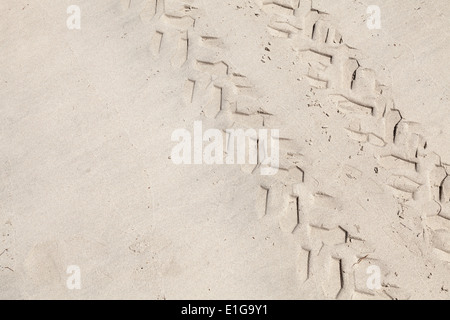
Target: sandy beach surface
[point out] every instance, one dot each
(238, 149)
